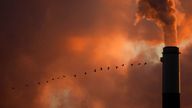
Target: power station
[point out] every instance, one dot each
(171, 77)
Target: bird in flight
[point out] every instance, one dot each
(145, 63)
(108, 68)
(101, 68)
(85, 73)
(75, 75)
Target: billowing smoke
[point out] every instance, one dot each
(44, 39)
(162, 12)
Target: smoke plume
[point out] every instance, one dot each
(162, 12)
(44, 39)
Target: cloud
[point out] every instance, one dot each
(41, 40)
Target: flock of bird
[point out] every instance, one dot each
(85, 73)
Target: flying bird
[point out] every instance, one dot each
(145, 63)
(101, 68)
(75, 75)
(131, 64)
(95, 70)
(85, 73)
(123, 65)
(108, 68)
(116, 67)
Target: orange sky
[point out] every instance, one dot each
(44, 39)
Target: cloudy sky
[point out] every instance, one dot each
(45, 39)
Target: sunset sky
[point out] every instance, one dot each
(44, 39)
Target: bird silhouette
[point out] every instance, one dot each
(85, 73)
(145, 63)
(101, 68)
(75, 75)
(108, 68)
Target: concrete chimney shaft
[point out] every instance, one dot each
(171, 77)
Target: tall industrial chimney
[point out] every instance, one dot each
(171, 77)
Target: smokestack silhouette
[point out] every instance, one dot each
(171, 77)
(162, 13)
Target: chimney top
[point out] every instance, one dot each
(170, 50)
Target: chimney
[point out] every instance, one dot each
(171, 77)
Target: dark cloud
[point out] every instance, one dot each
(41, 40)
(162, 13)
